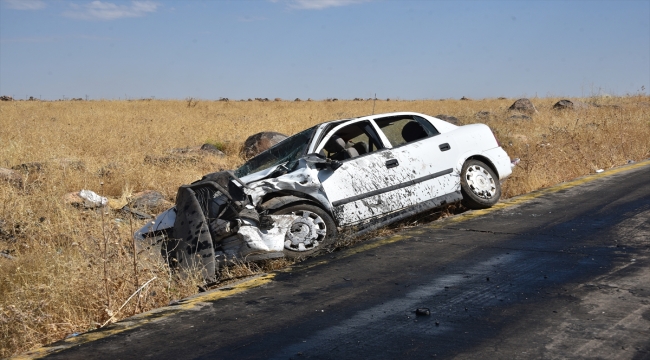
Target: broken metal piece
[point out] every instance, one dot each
(422, 312)
(137, 214)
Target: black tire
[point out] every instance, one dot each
(479, 185)
(312, 216)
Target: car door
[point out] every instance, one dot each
(426, 158)
(367, 185)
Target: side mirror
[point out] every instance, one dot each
(335, 164)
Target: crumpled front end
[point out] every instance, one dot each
(214, 222)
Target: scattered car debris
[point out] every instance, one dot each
(85, 198)
(92, 198)
(137, 214)
(361, 173)
(422, 312)
(515, 162)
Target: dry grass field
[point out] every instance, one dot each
(68, 270)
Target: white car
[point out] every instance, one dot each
(360, 173)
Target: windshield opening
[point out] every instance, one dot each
(287, 151)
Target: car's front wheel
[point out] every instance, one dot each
(310, 233)
(479, 185)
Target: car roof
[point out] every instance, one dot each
(373, 116)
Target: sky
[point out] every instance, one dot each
(61, 49)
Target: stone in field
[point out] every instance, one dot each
(149, 200)
(259, 142)
(483, 115)
(69, 164)
(212, 150)
(12, 177)
(563, 105)
(519, 117)
(30, 167)
(523, 105)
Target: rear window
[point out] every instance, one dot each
(404, 129)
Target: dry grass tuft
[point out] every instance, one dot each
(68, 270)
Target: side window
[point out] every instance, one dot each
(404, 129)
(351, 141)
(428, 127)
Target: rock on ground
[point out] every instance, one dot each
(71, 164)
(483, 115)
(30, 167)
(519, 117)
(523, 105)
(191, 154)
(565, 104)
(149, 200)
(211, 149)
(13, 177)
(259, 142)
(205, 149)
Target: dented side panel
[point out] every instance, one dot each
(255, 240)
(362, 210)
(359, 176)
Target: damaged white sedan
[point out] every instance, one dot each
(360, 173)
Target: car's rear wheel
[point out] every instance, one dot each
(479, 185)
(313, 231)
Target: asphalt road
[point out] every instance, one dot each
(561, 274)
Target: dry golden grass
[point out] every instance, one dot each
(73, 269)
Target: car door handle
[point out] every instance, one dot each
(391, 163)
(444, 147)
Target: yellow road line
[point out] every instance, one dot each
(191, 303)
(197, 301)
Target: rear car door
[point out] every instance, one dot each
(426, 159)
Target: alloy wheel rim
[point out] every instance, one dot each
(480, 182)
(306, 232)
